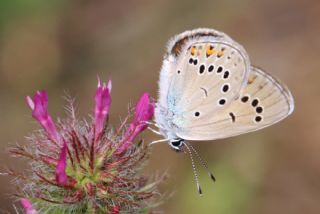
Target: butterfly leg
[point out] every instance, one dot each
(158, 141)
(154, 131)
(151, 123)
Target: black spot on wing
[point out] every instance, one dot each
(205, 91)
(233, 117)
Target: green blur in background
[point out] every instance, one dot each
(62, 46)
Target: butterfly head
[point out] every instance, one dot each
(177, 144)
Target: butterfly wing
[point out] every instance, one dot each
(198, 64)
(262, 102)
(213, 72)
(203, 69)
(184, 48)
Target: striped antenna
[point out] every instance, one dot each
(203, 163)
(194, 170)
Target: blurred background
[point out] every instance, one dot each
(63, 45)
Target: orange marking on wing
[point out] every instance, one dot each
(193, 50)
(220, 54)
(209, 50)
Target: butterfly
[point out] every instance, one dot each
(208, 90)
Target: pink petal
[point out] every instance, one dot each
(144, 111)
(99, 82)
(27, 206)
(102, 105)
(115, 210)
(109, 86)
(61, 176)
(39, 107)
(30, 102)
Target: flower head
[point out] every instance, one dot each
(76, 165)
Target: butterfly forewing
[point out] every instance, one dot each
(208, 76)
(262, 102)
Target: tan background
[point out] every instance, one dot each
(63, 45)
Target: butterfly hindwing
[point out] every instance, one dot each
(262, 102)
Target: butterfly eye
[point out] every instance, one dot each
(177, 143)
(197, 114)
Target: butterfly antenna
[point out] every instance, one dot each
(194, 170)
(203, 163)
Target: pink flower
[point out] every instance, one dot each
(77, 161)
(39, 107)
(27, 206)
(115, 210)
(61, 176)
(102, 105)
(144, 111)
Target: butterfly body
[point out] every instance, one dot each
(209, 90)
